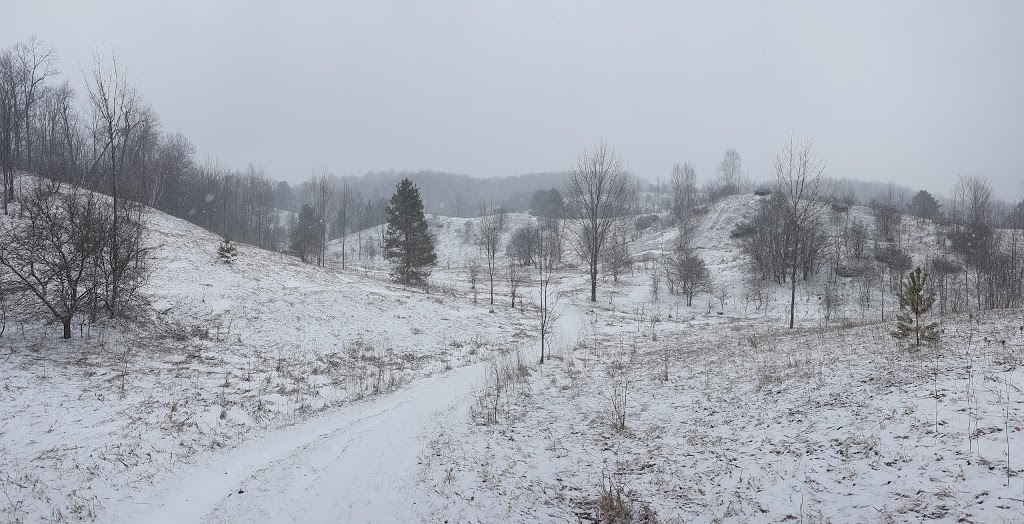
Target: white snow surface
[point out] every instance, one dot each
(351, 465)
(275, 391)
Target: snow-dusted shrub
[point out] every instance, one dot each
(506, 383)
(227, 251)
(611, 504)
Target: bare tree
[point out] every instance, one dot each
(617, 259)
(9, 123)
(117, 111)
(547, 296)
(492, 225)
(798, 180)
(686, 272)
(685, 195)
(857, 239)
(473, 272)
(66, 142)
(887, 212)
(320, 195)
(655, 284)
(345, 208)
(601, 196)
(972, 232)
(732, 179)
(523, 245)
(515, 275)
(551, 248)
(51, 251)
(36, 63)
(175, 162)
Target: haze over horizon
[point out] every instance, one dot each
(915, 93)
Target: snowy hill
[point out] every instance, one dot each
(272, 390)
(229, 349)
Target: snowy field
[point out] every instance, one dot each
(272, 390)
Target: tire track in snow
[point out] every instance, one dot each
(356, 464)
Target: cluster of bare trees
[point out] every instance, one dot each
(887, 212)
(524, 245)
(990, 245)
(65, 249)
(68, 252)
(239, 206)
(786, 239)
(980, 259)
(685, 271)
(24, 68)
(109, 140)
(332, 208)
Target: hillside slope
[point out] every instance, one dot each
(260, 343)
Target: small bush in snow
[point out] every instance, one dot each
(915, 302)
(227, 251)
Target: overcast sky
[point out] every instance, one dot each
(913, 92)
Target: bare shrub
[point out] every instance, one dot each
(619, 399)
(506, 382)
(612, 505)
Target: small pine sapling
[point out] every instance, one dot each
(915, 302)
(227, 251)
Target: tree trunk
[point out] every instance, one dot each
(542, 343)
(792, 298)
(593, 278)
(114, 241)
(67, 327)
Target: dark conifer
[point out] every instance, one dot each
(407, 242)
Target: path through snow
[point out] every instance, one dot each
(356, 464)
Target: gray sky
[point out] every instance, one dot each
(912, 92)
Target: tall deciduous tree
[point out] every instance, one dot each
(684, 194)
(321, 196)
(600, 196)
(547, 296)
(36, 63)
(493, 224)
(9, 123)
(408, 244)
(798, 180)
(731, 178)
(117, 111)
(342, 223)
(305, 235)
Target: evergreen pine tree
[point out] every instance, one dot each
(924, 205)
(407, 243)
(915, 302)
(227, 251)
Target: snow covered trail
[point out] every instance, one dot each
(357, 464)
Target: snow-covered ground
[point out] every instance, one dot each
(272, 390)
(230, 350)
